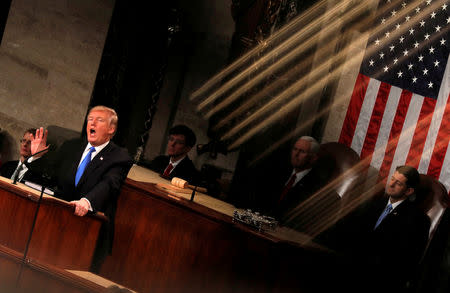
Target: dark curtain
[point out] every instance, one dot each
(4, 11)
(132, 68)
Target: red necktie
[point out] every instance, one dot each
(288, 186)
(167, 171)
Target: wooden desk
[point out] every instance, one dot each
(59, 237)
(36, 276)
(166, 243)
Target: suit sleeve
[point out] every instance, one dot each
(44, 170)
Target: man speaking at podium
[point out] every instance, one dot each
(87, 173)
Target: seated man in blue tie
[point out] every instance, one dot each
(177, 162)
(87, 172)
(386, 237)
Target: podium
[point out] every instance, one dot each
(164, 243)
(59, 238)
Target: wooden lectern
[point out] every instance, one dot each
(59, 238)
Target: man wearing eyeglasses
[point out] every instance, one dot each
(15, 168)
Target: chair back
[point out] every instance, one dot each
(433, 199)
(344, 175)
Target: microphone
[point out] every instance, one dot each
(16, 176)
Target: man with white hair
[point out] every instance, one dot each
(307, 177)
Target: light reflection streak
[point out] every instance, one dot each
(294, 95)
(315, 77)
(280, 50)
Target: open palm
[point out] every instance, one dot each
(39, 142)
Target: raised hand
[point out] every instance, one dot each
(39, 142)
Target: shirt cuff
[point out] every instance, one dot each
(31, 159)
(90, 206)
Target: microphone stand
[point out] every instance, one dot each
(29, 237)
(193, 193)
(34, 219)
(21, 164)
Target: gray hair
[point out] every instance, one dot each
(315, 146)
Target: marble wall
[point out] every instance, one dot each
(49, 56)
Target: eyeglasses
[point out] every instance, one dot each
(25, 141)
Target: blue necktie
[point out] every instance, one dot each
(83, 165)
(386, 212)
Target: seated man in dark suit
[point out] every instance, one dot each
(298, 203)
(177, 162)
(290, 192)
(10, 169)
(386, 237)
(87, 172)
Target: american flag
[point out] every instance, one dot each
(399, 111)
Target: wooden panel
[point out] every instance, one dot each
(168, 244)
(39, 277)
(59, 237)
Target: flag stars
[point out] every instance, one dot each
(407, 18)
(411, 31)
(438, 28)
(420, 58)
(381, 55)
(436, 63)
(377, 42)
(385, 69)
(397, 26)
(416, 45)
(401, 39)
(417, 10)
(425, 71)
(405, 53)
(442, 41)
(414, 79)
(448, 19)
(386, 34)
(391, 48)
(399, 74)
(403, 5)
(431, 50)
(433, 14)
(428, 2)
(395, 61)
(444, 7)
(383, 20)
(427, 36)
(430, 85)
(422, 23)
(371, 62)
(410, 66)
(393, 12)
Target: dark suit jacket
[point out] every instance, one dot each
(393, 250)
(100, 182)
(184, 170)
(264, 188)
(305, 208)
(8, 168)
